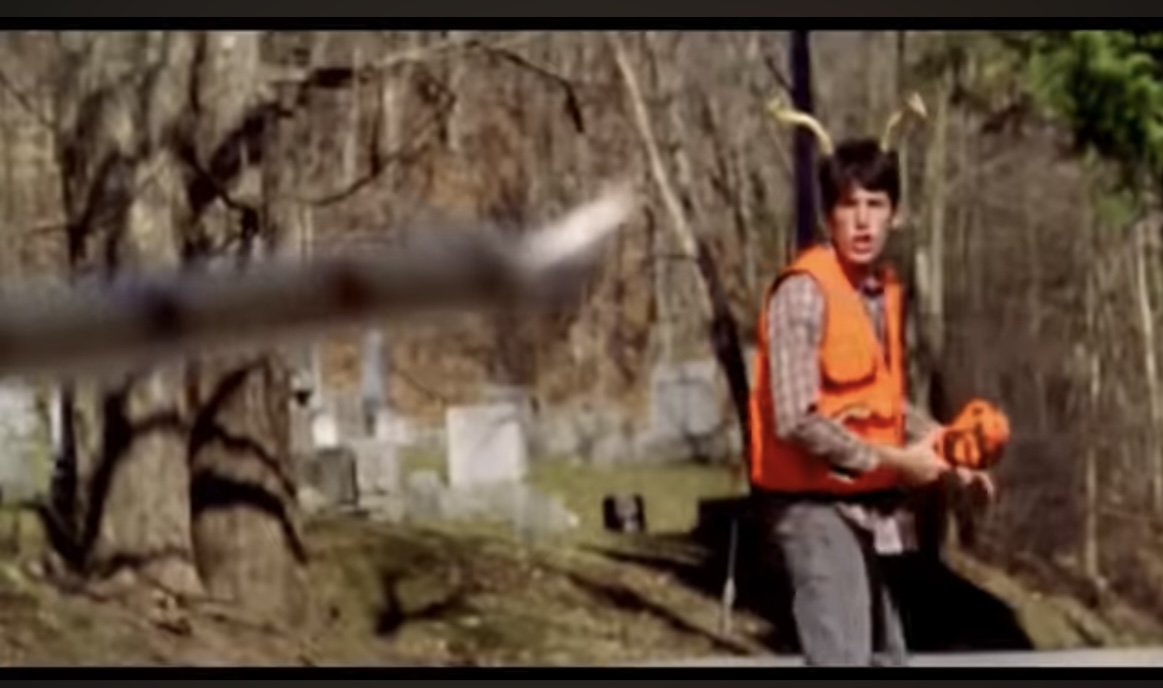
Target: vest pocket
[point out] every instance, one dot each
(863, 420)
(845, 365)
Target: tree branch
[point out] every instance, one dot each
(572, 102)
(25, 102)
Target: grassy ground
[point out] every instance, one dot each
(382, 594)
(671, 492)
(472, 594)
(455, 596)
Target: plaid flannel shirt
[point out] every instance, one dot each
(795, 322)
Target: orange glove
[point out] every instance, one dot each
(976, 437)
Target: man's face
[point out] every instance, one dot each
(859, 226)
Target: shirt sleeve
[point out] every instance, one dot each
(795, 318)
(918, 423)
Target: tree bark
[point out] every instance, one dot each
(245, 523)
(124, 202)
(930, 255)
(1091, 564)
(1150, 364)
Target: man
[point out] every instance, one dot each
(834, 443)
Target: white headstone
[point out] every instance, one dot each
(391, 427)
(556, 435)
(424, 494)
(486, 445)
(25, 446)
(302, 439)
(511, 394)
(684, 401)
(373, 394)
(383, 426)
(56, 420)
(324, 430)
(376, 469)
(371, 377)
(350, 416)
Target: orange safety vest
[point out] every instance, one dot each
(860, 385)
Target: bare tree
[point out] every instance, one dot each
(169, 153)
(245, 528)
(120, 97)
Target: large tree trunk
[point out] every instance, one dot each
(124, 202)
(1092, 360)
(1150, 364)
(930, 256)
(177, 466)
(245, 526)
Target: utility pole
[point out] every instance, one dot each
(800, 58)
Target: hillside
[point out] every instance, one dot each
(439, 596)
(474, 594)
(1036, 279)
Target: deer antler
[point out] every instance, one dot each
(794, 117)
(913, 106)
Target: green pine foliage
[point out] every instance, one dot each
(1108, 87)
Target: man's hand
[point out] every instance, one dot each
(918, 463)
(978, 481)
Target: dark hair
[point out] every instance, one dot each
(858, 163)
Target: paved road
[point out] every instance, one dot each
(1131, 657)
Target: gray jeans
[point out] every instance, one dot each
(844, 612)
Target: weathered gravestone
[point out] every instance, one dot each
(376, 469)
(684, 399)
(555, 435)
(424, 496)
(613, 449)
(26, 451)
(373, 369)
(685, 412)
(486, 445)
(527, 511)
(330, 473)
(324, 429)
(487, 464)
(302, 441)
(56, 421)
(601, 434)
(519, 397)
(347, 409)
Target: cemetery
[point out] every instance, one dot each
(503, 490)
(459, 540)
(354, 450)
(526, 449)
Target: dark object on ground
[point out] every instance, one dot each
(624, 513)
